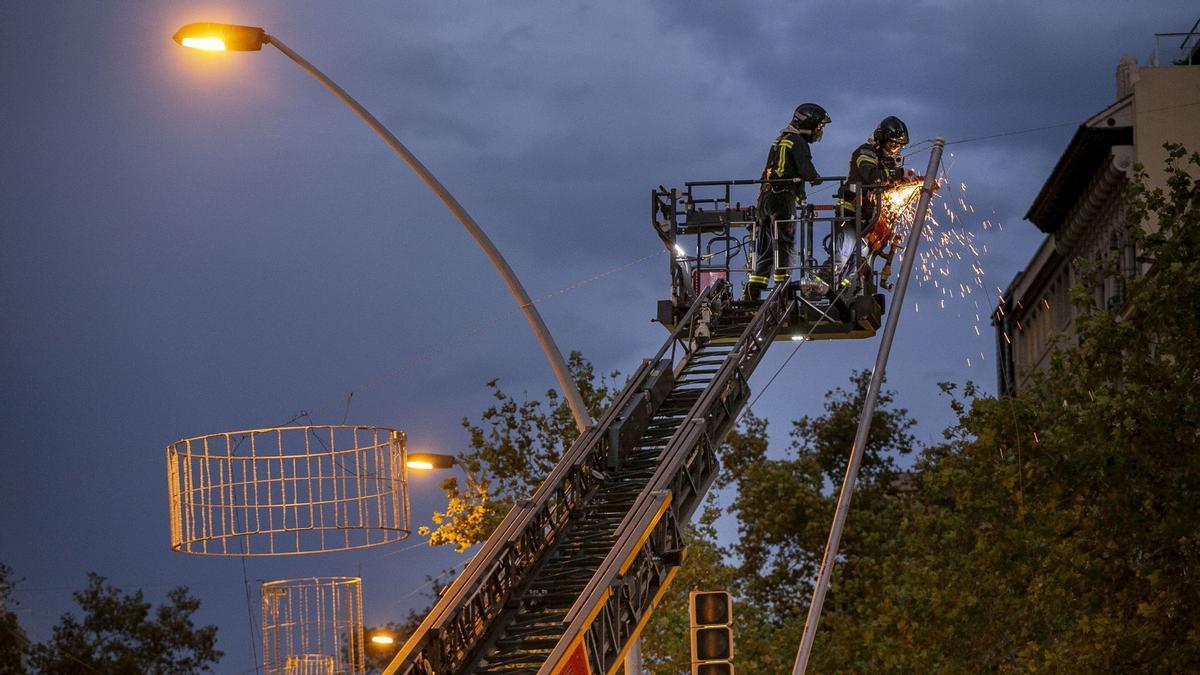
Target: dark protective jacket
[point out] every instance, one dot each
(868, 166)
(790, 157)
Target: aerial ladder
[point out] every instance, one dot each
(570, 577)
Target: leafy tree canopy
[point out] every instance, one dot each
(123, 634)
(515, 444)
(1052, 531)
(1056, 531)
(13, 642)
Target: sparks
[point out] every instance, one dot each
(898, 198)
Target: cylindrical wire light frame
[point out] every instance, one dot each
(288, 490)
(309, 664)
(313, 626)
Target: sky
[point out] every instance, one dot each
(193, 243)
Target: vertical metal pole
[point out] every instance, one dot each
(633, 658)
(868, 411)
(557, 363)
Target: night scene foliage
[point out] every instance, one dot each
(1052, 531)
(118, 633)
(515, 444)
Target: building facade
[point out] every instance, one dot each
(1080, 207)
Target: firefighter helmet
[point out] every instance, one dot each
(891, 135)
(810, 118)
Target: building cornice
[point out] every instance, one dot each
(1086, 154)
(1095, 197)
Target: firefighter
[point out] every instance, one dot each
(875, 163)
(790, 160)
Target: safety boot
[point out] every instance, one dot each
(752, 291)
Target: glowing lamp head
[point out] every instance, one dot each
(208, 44)
(221, 37)
(382, 639)
(426, 461)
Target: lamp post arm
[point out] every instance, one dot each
(553, 355)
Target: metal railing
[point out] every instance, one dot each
(452, 631)
(1179, 49)
(711, 234)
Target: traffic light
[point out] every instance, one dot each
(711, 619)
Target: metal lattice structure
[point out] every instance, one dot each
(571, 575)
(309, 664)
(313, 627)
(288, 490)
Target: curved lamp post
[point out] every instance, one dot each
(227, 37)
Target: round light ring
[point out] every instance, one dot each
(288, 491)
(313, 626)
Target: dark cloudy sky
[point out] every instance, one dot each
(193, 243)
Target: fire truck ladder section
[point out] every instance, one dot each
(568, 580)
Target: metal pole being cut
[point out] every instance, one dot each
(633, 658)
(553, 355)
(864, 422)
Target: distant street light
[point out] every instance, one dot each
(382, 639)
(426, 461)
(227, 37)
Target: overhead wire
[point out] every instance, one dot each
(919, 147)
(254, 634)
(454, 569)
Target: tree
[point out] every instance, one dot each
(517, 443)
(783, 507)
(1052, 531)
(513, 447)
(122, 634)
(1057, 530)
(13, 643)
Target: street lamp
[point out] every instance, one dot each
(228, 37)
(427, 461)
